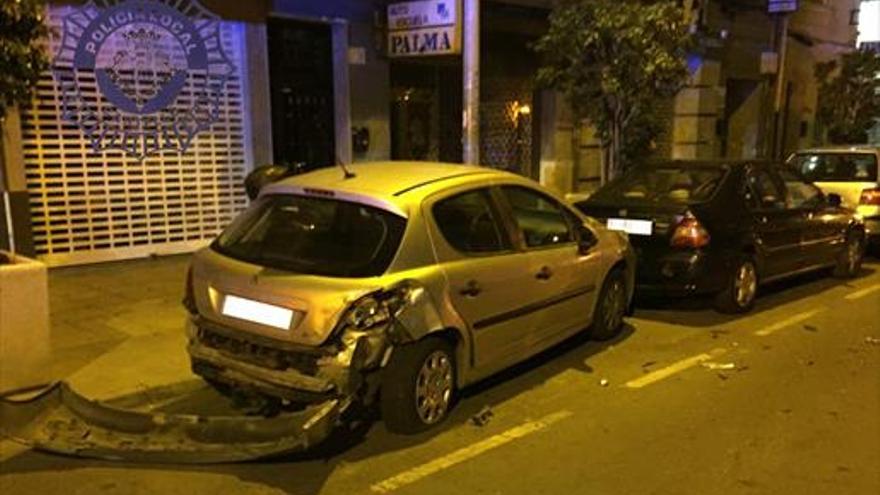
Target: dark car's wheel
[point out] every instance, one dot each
(610, 307)
(741, 288)
(418, 386)
(849, 262)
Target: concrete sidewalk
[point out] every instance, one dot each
(110, 321)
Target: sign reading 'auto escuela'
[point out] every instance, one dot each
(431, 27)
(781, 6)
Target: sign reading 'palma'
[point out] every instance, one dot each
(431, 27)
(158, 64)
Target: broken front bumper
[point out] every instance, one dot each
(59, 420)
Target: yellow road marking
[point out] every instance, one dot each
(862, 293)
(461, 455)
(791, 320)
(673, 368)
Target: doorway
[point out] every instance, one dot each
(301, 86)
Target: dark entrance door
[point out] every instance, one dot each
(426, 110)
(301, 83)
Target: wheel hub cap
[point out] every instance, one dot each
(853, 255)
(614, 305)
(745, 284)
(434, 387)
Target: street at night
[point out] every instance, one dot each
(783, 400)
(327, 247)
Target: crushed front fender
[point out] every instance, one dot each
(59, 420)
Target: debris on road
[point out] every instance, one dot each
(722, 376)
(710, 365)
(604, 382)
(483, 417)
(648, 365)
(57, 419)
(810, 328)
(716, 333)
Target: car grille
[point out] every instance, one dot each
(260, 355)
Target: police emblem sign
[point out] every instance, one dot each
(159, 67)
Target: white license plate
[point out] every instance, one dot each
(630, 226)
(257, 312)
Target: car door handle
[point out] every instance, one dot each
(544, 273)
(472, 289)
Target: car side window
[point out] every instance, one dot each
(799, 193)
(541, 219)
(765, 191)
(469, 223)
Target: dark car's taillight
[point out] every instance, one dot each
(870, 197)
(689, 233)
(189, 296)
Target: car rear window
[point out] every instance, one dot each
(836, 167)
(315, 236)
(682, 184)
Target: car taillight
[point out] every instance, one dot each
(870, 196)
(689, 233)
(189, 296)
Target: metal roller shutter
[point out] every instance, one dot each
(92, 206)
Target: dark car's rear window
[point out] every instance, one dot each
(836, 167)
(315, 236)
(663, 184)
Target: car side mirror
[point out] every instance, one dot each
(834, 200)
(586, 240)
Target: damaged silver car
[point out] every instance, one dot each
(397, 284)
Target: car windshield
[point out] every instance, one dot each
(316, 236)
(665, 184)
(836, 167)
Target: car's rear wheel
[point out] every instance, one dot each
(849, 262)
(418, 386)
(610, 307)
(741, 289)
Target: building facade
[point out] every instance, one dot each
(321, 82)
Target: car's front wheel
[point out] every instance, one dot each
(741, 288)
(418, 386)
(610, 307)
(849, 262)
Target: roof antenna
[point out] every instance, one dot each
(347, 174)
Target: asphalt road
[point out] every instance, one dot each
(784, 400)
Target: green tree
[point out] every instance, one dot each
(849, 96)
(22, 58)
(615, 61)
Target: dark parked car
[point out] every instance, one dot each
(723, 228)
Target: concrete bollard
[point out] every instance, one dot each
(24, 323)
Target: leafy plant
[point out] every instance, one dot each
(22, 58)
(849, 96)
(615, 61)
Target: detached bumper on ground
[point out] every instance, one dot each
(59, 420)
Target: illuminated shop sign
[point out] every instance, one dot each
(781, 6)
(158, 64)
(424, 28)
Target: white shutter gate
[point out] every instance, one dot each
(89, 206)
